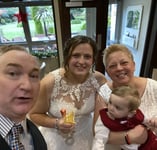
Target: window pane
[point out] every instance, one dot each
(83, 21)
(11, 30)
(41, 23)
(78, 20)
(35, 30)
(111, 28)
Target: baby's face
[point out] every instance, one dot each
(118, 107)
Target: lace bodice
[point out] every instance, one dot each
(69, 96)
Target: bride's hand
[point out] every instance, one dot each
(65, 127)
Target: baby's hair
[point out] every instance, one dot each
(130, 93)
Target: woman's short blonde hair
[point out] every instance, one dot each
(114, 48)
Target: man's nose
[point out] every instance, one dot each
(25, 83)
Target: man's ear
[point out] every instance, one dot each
(131, 113)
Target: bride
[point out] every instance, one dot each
(72, 89)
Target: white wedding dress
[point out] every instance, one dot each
(84, 94)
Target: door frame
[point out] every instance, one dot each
(150, 50)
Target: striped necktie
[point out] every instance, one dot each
(15, 143)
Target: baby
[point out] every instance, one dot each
(122, 114)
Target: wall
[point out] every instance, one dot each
(138, 53)
(154, 75)
(51, 64)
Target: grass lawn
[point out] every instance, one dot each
(12, 30)
(77, 27)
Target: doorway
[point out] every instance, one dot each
(85, 17)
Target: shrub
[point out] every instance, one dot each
(51, 30)
(3, 21)
(76, 21)
(83, 26)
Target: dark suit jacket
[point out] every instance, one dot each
(38, 140)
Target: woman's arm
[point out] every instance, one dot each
(38, 113)
(99, 104)
(100, 78)
(138, 135)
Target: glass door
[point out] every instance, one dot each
(83, 22)
(82, 17)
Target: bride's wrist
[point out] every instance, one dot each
(56, 123)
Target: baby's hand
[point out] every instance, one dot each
(152, 122)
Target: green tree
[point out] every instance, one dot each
(38, 24)
(44, 14)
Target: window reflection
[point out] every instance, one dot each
(41, 23)
(10, 29)
(78, 21)
(111, 27)
(30, 25)
(83, 21)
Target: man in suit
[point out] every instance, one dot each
(19, 86)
